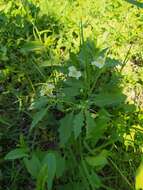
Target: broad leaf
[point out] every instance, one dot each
(78, 123)
(90, 125)
(33, 165)
(95, 180)
(50, 160)
(107, 99)
(98, 161)
(60, 165)
(39, 103)
(16, 154)
(38, 117)
(65, 129)
(101, 125)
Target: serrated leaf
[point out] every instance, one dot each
(16, 154)
(101, 125)
(50, 159)
(38, 117)
(139, 177)
(90, 125)
(108, 99)
(65, 129)
(78, 123)
(33, 165)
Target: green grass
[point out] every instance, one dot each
(71, 97)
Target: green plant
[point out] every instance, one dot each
(65, 119)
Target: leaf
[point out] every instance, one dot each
(99, 160)
(90, 125)
(139, 177)
(38, 117)
(107, 99)
(32, 46)
(60, 165)
(101, 125)
(39, 103)
(16, 154)
(95, 180)
(33, 165)
(42, 177)
(110, 63)
(50, 159)
(138, 4)
(65, 129)
(78, 123)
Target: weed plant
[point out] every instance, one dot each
(71, 96)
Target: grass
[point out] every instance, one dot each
(71, 98)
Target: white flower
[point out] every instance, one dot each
(47, 89)
(50, 86)
(99, 62)
(73, 72)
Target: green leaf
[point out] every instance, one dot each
(110, 63)
(139, 177)
(50, 159)
(99, 160)
(33, 165)
(108, 99)
(32, 46)
(42, 177)
(38, 117)
(60, 165)
(39, 103)
(90, 125)
(101, 125)
(16, 154)
(137, 3)
(65, 129)
(95, 179)
(78, 123)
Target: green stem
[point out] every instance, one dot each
(120, 172)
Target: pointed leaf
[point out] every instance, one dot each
(65, 129)
(16, 154)
(32, 46)
(108, 99)
(78, 123)
(50, 159)
(101, 125)
(42, 177)
(38, 117)
(60, 165)
(90, 125)
(33, 165)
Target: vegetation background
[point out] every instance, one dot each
(71, 94)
